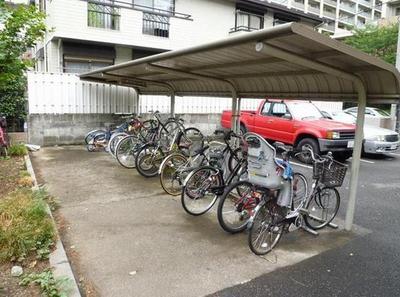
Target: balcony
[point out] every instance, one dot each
(346, 20)
(378, 7)
(347, 7)
(330, 3)
(298, 5)
(314, 10)
(365, 3)
(245, 21)
(365, 14)
(328, 14)
(280, 2)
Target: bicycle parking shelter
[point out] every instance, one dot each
(290, 61)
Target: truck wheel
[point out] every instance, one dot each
(243, 129)
(307, 143)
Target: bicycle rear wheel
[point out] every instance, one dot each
(171, 178)
(190, 141)
(148, 160)
(126, 150)
(299, 190)
(322, 207)
(236, 206)
(197, 196)
(266, 229)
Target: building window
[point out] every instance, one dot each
(246, 21)
(103, 15)
(155, 5)
(156, 25)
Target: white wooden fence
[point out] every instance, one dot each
(64, 93)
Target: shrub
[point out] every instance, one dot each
(25, 226)
(17, 150)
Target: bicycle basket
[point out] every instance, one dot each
(330, 175)
(216, 153)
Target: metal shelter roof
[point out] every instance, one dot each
(286, 61)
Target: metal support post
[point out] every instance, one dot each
(172, 111)
(355, 163)
(234, 111)
(238, 108)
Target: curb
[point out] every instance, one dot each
(58, 258)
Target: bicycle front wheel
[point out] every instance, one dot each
(266, 229)
(197, 195)
(171, 171)
(322, 208)
(126, 150)
(236, 206)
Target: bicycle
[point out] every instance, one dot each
(172, 136)
(177, 165)
(272, 216)
(204, 185)
(240, 199)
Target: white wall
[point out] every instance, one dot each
(211, 20)
(63, 93)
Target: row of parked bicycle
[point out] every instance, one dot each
(256, 190)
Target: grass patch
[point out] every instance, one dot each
(17, 150)
(49, 285)
(25, 226)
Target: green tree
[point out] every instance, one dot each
(379, 41)
(20, 28)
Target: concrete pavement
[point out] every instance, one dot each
(133, 240)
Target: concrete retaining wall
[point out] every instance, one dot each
(52, 129)
(64, 129)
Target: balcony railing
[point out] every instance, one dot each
(346, 20)
(366, 14)
(329, 14)
(156, 25)
(299, 5)
(347, 7)
(245, 21)
(314, 10)
(365, 3)
(330, 2)
(284, 2)
(103, 16)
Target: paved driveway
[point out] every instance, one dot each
(121, 222)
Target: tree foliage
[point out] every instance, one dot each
(20, 28)
(377, 41)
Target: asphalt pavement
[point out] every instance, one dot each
(366, 266)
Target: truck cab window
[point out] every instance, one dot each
(280, 110)
(266, 108)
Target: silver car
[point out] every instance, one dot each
(376, 140)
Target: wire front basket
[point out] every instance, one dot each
(330, 174)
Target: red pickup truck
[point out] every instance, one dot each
(298, 123)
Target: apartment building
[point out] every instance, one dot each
(88, 34)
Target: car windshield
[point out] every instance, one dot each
(343, 117)
(304, 110)
(382, 112)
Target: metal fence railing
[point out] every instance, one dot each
(156, 25)
(102, 15)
